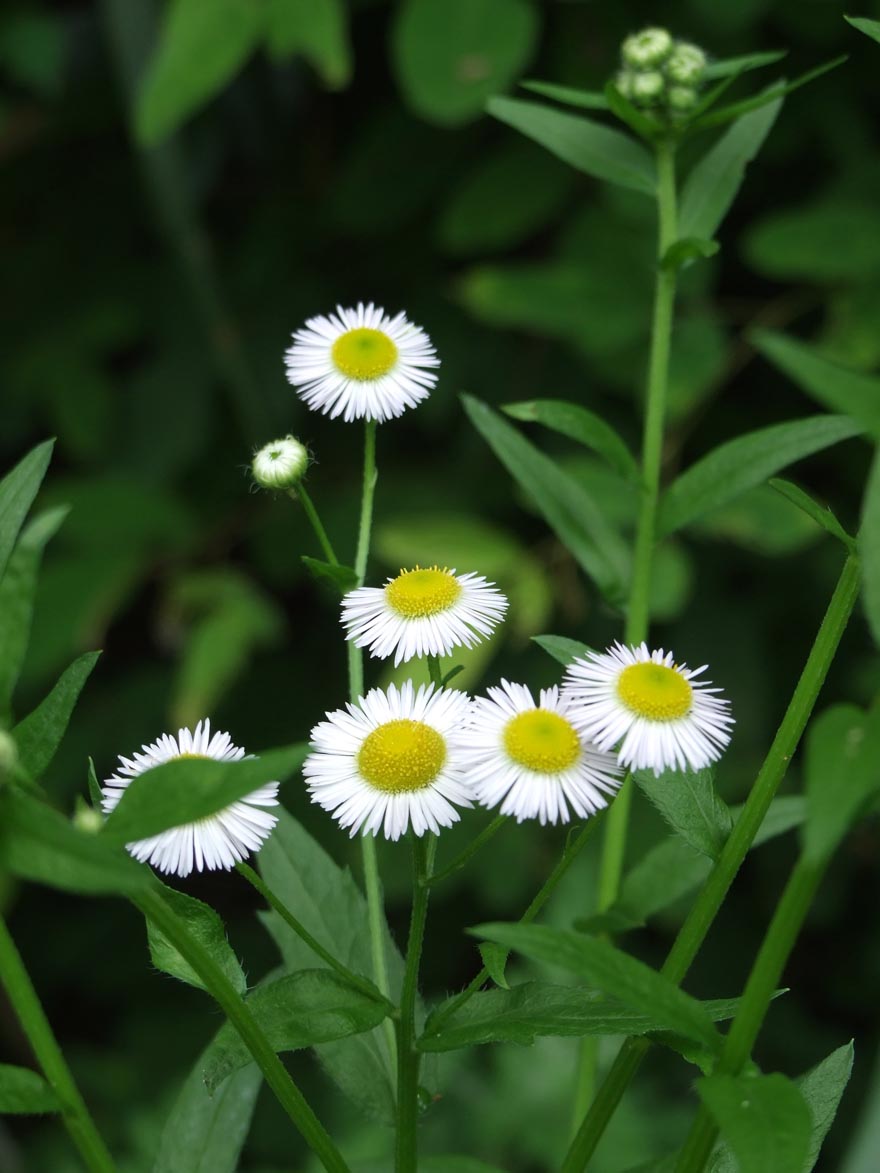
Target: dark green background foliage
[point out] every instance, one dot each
(152, 280)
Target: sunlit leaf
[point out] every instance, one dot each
(688, 801)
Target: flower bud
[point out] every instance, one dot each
(86, 818)
(648, 88)
(646, 49)
(686, 65)
(8, 754)
(624, 83)
(681, 99)
(281, 464)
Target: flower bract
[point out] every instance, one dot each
(532, 759)
(361, 364)
(655, 711)
(391, 761)
(426, 611)
(217, 842)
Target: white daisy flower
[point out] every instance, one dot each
(219, 841)
(392, 760)
(361, 364)
(653, 709)
(422, 612)
(533, 759)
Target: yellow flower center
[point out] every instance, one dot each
(401, 756)
(542, 741)
(204, 757)
(654, 691)
(364, 353)
(417, 593)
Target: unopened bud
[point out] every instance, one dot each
(86, 818)
(648, 88)
(624, 83)
(647, 49)
(686, 65)
(281, 464)
(681, 99)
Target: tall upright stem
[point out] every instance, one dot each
(16, 981)
(406, 1150)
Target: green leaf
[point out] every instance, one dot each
(206, 1131)
(842, 774)
(17, 587)
(39, 734)
(831, 240)
(583, 99)
(871, 28)
(834, 386)
(186, 790)
(688, 802)
(869, 548)
(295, 1011)
(494, 958)
(450, 55)
(569, 510)
(315, 28)
(17, 491)
(622, 108)
(745, 462)
(37, 843)
(733, 66)
(612, 971)
(576, 422)
(689, 248)
(201, 48)
(342, 577)
(711, 186)
(204, 926)
(537, 1009)
(450, 1164)
(588, 146)
(821, 514)
(95, 794)
(24, 1092)
(764, 1118)
(822, 1087)
(561, 648)
(775, 93)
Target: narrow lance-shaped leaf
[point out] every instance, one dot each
(316, 29)
(576, 422)
(869, 547)
(733, 66)
(871, 28)
(842, 774)
(612, 971)
(25, 1092)
(741, 464)
(205, 926)
(821, 514)
(561, 648)
(748, 105)
(822, 1088)
(39, 734)
(687, 800)
(17, 491)
(588, 146)
(711, 187)
(764, 1118)
(582, 99)
(343, 578)
(186, 790)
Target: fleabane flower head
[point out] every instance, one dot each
(654, 710)
(392, 761)
(532, 759)
(217, 842)
(361, 364)
(686, 64)
(281, 464)
(646, 49)
(425, 611)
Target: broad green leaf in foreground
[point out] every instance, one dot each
(569, 510)
(711, 186)
(842, 774)
(764, 1118)
(688, 801)
(316, 29)
(869, 547)
(745, 462)
(632, 982)
(588, 146)
(576, 422)
(204, 926)
(39, 734)
(561, 648)
(206, 1130)
(185, 790)
(295, 1011)
(834, 386)
(17, 491)
(23, 1091)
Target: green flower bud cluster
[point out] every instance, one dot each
(659, 73)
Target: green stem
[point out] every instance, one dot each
(355, 656)
(763, 981)
(569, 855)
(300, 494)
(406, 1150)
(355, 980)
(636, 628)
(23, 998)
(474, 846)
(434, 674)
(711, 896)
(233, 1006)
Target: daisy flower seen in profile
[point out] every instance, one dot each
(533, 760)
(217, 842)
(391, 761)
(422, 612)
(653, 709)
(361, 364)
